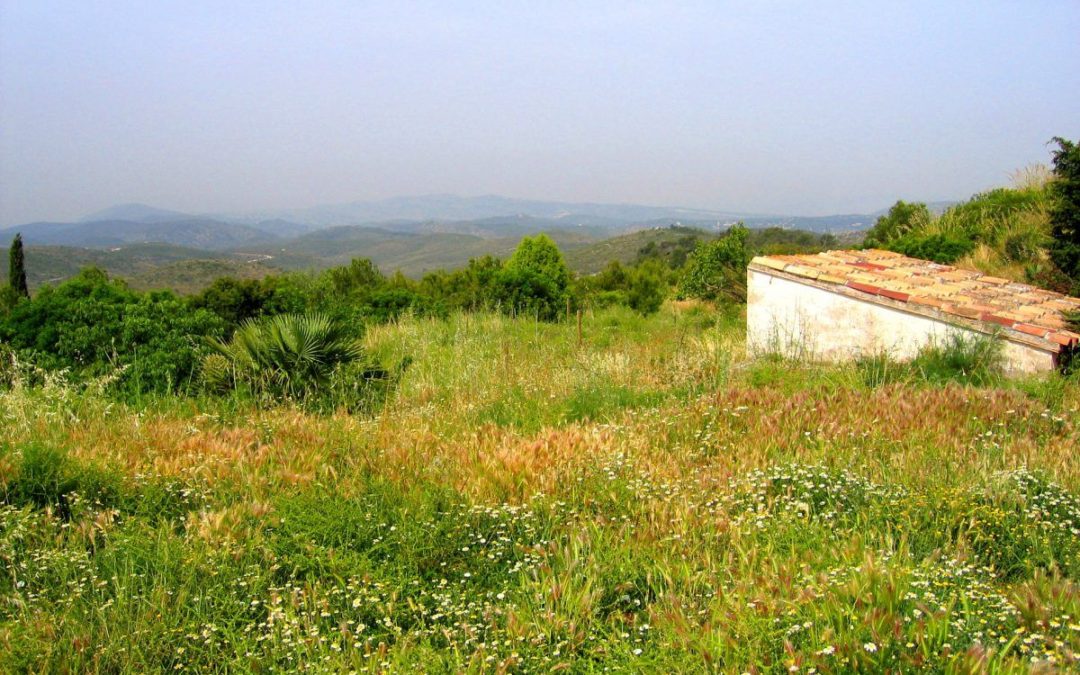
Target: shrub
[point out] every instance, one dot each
(529, 293)
(234, 300)
(47, 478)
(646, 293)
(310, 359)
(94, 326)
(901, 219)
(535, 281)
(717, 269)
(942, 248)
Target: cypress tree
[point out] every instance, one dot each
(1065, 214)
(17, 267)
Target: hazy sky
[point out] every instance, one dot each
(801, 107)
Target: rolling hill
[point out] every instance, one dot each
(211, 235)
(144, 266)
(412, 254)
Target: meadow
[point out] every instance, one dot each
(643, 499)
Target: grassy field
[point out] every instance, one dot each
(646, 500)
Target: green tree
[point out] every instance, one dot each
(716, 270)
(234, 300)
(471, 288)
(535, 280)
(902, 218)
(359, 276)
(92, 326)
(17, 267)
(540, 255)
(1065, 212)
(645, 292)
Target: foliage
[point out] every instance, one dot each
(902, 218)
(526, 292)
(234, 300)
(783, 241)
(540, 255)
(535, 281)
(17, 267)
(717, 270)
(942, 248)
(94, 326)
(290, 357)
(360, 276)
(9, 297)
(1065, 212)
(641, 287)
(671, 251)
(471, 288)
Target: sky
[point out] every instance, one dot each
(804, 108)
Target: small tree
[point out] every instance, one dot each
(717, 270)
(17, 267)
(535, 280)
(541, 255)
(645, 292)
(1065, 212)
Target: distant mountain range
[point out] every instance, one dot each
(412, 234)
(201, 233)
(485, 217)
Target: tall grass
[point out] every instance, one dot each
(646, 500)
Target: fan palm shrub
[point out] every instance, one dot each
(306, 358)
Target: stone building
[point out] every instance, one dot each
(845, 304)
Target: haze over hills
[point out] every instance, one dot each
(485, 216)
(201, 233)
(445, 207)
(412, 234)
(145, 266)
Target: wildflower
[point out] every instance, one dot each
(870, 647)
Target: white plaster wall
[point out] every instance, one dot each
(807, 322)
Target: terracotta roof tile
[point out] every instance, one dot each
(946, 289)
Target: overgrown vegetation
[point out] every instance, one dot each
(1025, 232)
(717, 270)
(644, 500)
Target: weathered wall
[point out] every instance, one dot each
(801, 320)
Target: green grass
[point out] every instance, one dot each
(646, 500)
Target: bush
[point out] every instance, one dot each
(902, 218)
(535, 281)
(309, 359)
(717, 269)
(942, 248)
(528, 293)
(47, 478)
(645, 294)
(95, 326)
(234, 300)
